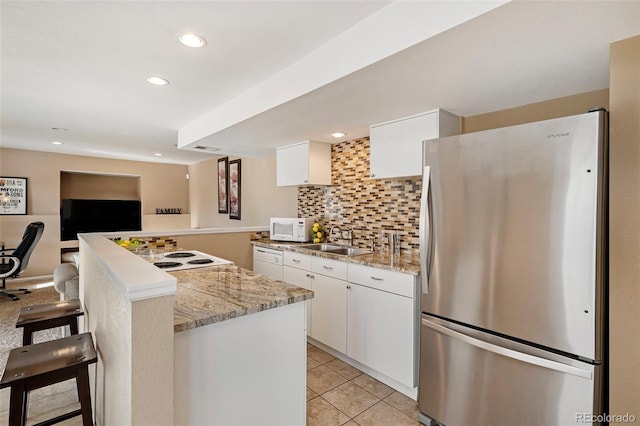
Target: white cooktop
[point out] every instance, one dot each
(187, 259)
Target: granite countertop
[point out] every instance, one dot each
(407, 263)
(218, 293)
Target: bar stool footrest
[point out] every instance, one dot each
(60, 418)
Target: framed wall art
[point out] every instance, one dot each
(234, 189)
(223, 185)
(13, 195)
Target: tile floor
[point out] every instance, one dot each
(337, 394)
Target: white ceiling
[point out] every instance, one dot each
(279, 72)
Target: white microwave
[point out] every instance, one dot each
(291, 229)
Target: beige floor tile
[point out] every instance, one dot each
(310, 394)
(351, 399)
(343, 369)
(383, 414)
(321, 413)
(322, 379)
(312, 363)
(403, 403)
(373, 386)
(319, 355)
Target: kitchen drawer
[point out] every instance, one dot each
(382, 279)
(297, 260)
(329, 267)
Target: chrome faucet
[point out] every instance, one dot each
(341, 235)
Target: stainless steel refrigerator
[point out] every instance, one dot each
(513, 247)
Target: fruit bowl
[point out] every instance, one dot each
(130, 243)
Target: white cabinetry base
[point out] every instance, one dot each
(245, 371)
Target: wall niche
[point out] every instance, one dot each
(99, 186)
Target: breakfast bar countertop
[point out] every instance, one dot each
(218, 293)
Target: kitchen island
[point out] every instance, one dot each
(213, 345)
(240, 348)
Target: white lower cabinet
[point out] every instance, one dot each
(369, 314)
(297, 271)
(327, 311)
(302, 279)
(329, 314)
(380, 332)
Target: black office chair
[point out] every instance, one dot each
(14, 261)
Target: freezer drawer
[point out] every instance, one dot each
(470, 377)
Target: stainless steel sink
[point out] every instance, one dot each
(336, 249)
(350, 251)
(321, 247)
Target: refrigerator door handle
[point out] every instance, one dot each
(425, 228)
(530, 359)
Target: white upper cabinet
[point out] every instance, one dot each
(396, 146)
(304, 163)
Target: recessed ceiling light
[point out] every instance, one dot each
(56, 142)
(157, 154)
(158, 81)
(192, 40)
(338, 134)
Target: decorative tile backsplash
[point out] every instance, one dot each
(367, 205)
(164, 243)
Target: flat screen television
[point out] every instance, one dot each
(78, 216)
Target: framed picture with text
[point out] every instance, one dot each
(234, 189)
(13, 195)
(223, 185)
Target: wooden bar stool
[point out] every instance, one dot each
(43, 364)
(48, 315)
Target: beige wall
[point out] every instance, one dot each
(92, 186)
(108, 318)
(133, 384)
(152, 378)
(554, 108)
(234, 246)
(260, 197)
(624, 242)
(160, 186)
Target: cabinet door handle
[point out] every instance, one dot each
(329, 268)
(296, 260)
(261, 251)
(349, 287)
(310, 276)
(372, 175)
(377, 279)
